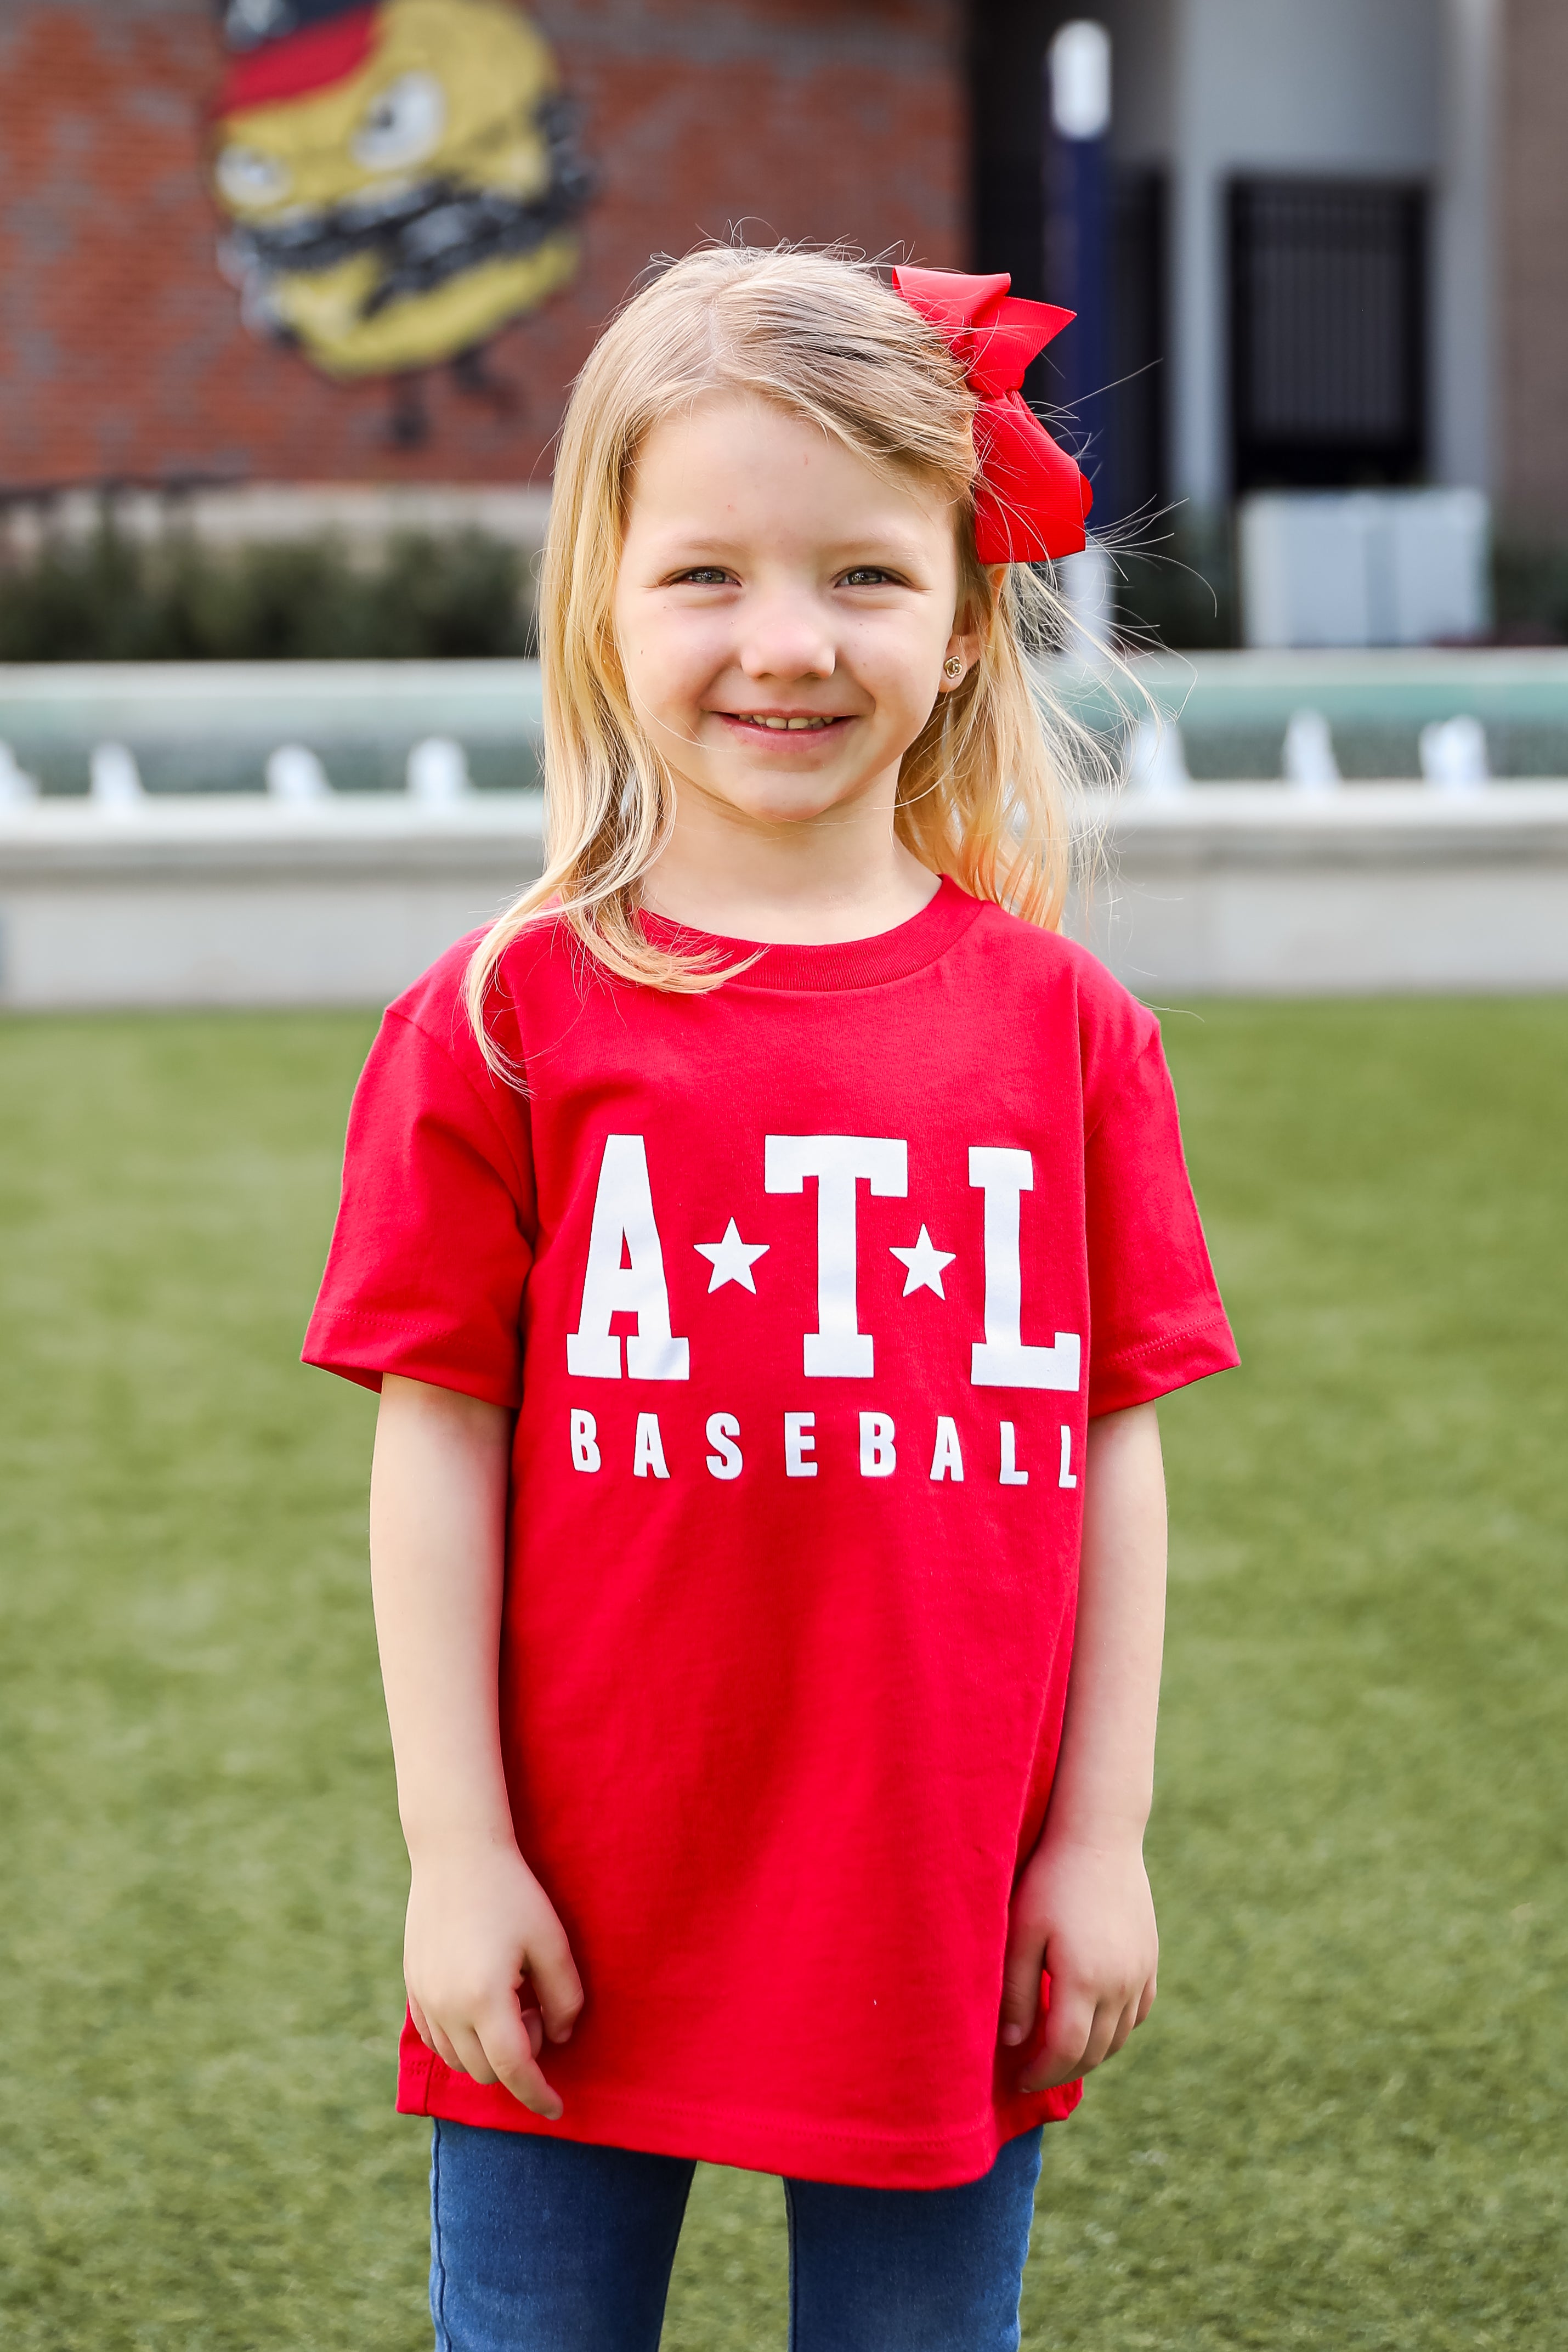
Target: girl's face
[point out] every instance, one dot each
(783, 613)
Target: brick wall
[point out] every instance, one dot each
(1531, 375)
(124, 351)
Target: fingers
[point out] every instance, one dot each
(500, 2049)
(470, 2055)
(446, 2050)
(1080, 2033)
(1131, 2018)
(509, 2049)
(553, 1973)
(492, 2037)
(493, 1971)
(1021, 1991)
(1124, 2028)
(500, 2046)
(1069, 2025)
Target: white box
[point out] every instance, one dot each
(1362, 567)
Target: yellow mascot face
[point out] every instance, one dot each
(400, 181)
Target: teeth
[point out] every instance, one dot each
(755, 719)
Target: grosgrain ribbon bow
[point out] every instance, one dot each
(1030, 500)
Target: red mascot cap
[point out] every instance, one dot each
(308, 59)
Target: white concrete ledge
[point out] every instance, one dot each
(243, 902)
(213, 833)
(224, 896)
(1224, 889)
(1253, 889)
(1228, 824)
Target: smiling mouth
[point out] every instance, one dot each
(804, 724)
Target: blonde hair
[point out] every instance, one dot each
(984, 791)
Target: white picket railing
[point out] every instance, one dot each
(298, 890)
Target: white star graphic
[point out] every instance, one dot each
(924, 1264)
(732, 1259)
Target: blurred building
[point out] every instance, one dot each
(1339, 240)
(1339, 233)
(138, 137)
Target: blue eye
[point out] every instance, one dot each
(706, 575)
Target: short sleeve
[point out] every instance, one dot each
(434, 1239)
(1157, 1320)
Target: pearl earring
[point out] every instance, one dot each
(952, 667)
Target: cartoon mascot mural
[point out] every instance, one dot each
(400, 178)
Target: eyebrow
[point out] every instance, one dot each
(706, 545)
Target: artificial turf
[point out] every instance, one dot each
(1343, 2126)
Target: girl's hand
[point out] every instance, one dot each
(1085, 1913)
(479, 1927)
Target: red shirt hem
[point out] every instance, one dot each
(761, 2143)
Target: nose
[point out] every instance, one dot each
(787, 636)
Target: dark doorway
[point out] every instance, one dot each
(1328, 334)
(1007, 71)
(1138, 474)
(1128, 464)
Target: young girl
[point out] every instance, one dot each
(768, 1241)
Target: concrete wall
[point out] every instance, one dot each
(1254, 890)
(234, 901)
(124, 353)
(1222, 889)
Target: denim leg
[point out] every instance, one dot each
(546, 2245)
(912, 2270)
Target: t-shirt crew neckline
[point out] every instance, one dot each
(843, 963)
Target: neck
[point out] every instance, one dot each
(804, 882)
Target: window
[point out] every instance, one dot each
(1327, 330)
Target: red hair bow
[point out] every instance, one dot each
(1030, 499)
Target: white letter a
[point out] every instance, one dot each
(623, 1222)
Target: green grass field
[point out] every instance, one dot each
(1343, 2126)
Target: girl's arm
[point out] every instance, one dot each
(478, 1920)
(1082, 1908)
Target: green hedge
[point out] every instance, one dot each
(1530, 584)
(437, 595)
(1175, 585)
(1179, 588)
(109, 597)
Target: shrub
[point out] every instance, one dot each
(1530, 585)
(109, 597)
(1176, 586)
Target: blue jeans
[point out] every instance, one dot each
(546, 2245)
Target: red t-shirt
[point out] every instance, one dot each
(803, 1291)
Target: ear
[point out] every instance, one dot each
(968, 640)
